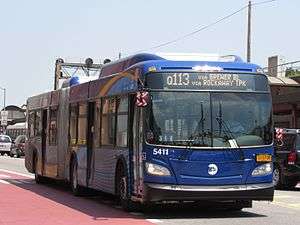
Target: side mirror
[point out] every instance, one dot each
(142, 99)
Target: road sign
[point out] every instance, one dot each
(4, 116)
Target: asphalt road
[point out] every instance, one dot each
(24, 202)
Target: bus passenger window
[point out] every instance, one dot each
(108, 121)
(31, 123)
(122, 122)
(53, 127)
(82, 124)
(97, 123)
(73, 124)
(38, 124)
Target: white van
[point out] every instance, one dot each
(5, 144)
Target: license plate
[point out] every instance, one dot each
(263, 158)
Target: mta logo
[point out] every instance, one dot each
(212, 169)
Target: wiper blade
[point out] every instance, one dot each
(187, 142)
(183, 140)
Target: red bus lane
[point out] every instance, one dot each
(23, 202)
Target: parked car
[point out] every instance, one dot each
(17, 148)
(5, 144)
(286, 173)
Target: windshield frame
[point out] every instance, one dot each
(210, 92)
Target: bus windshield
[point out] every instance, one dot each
(207, 119)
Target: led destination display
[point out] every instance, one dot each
(208, 81)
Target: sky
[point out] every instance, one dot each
(34, 33)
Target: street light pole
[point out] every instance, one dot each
(3, 127)
(4, 97)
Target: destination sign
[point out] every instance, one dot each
(208, 81)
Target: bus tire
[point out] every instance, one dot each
(239, 205)
(277, 180)
(123, 191)
(77, 190)
(291, 184)
(38, 178)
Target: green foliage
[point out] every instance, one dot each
(292, 73)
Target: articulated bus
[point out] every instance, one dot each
(159, 128)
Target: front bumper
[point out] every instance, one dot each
(168, 192)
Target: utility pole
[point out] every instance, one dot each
(4, 97)
(3, 113)
(249, 33)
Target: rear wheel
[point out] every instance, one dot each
(38, 178)
(76, 188)
(17, 153)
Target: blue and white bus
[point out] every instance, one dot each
(159, 128)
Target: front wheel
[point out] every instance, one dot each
(277, 178)
(239, 205)
(123, 193)
(291, 184)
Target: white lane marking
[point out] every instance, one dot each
(4, 182)
(16, 182)
(26, 182)
(4, 176)
(16, 173)
(136, 213)
(149, 220)
(282, 196)
(154, 220)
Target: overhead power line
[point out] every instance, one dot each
(203, 27)
(263, 2)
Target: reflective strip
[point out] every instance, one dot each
(212, 188)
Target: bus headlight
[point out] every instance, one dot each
(262, 170)
(157, 170)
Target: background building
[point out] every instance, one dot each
(16, 121)
(284, 80)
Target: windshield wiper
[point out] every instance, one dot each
(188, 141)
(229, 134)
(200, 131)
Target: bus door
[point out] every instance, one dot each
(137, 147)
(44, 137)
(90, 138)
